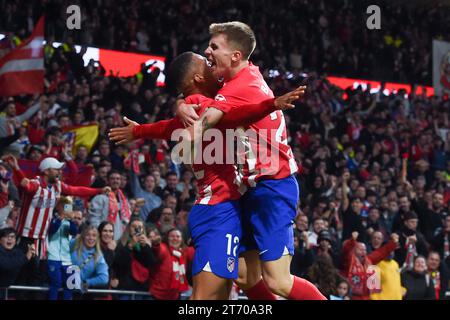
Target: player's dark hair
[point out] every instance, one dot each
(178, 71)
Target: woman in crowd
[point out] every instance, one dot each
(87, 255)
(107, 243)
(168, 278)
(108, 246)
(418, 285)
(133, 259)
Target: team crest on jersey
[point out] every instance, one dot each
(220, 97)
(230, 264)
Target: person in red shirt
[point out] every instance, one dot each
(216, 214)
(168, 278)
(356, 265)
(39, 199)
(269, 206)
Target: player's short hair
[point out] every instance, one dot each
(178, 71)
(239, 34)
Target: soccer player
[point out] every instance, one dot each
(269, 206)
(214, 220)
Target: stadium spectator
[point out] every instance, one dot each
(356, 262)
(441, 240)
(168, 278)
(412, 242)
(418, 285)
(60, 231)
(388, 277)
(133, 259)
(325, 276)
(113, 207)
(87, 255)
(438, 273)
(12, 259)
(9, 122)
(152, 201)
(107, 243)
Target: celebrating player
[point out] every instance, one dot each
(214, 221)
(269, 206)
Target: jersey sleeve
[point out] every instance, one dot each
(21, 181)
(245, 115)
(79, 191)
(158, 130)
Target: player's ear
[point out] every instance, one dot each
(236, 56)
(198, 78)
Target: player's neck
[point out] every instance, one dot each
(235, 70)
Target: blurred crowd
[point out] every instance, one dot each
(374, 170)
(324, 36)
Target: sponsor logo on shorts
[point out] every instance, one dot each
(230, 264)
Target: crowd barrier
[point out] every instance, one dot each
(132, 294)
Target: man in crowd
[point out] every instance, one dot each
(39, 201)
(113, 207)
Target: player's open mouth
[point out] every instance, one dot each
(211, 63)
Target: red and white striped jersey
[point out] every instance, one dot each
(267, 153)
(38, 202)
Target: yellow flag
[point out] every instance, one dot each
(84, 135)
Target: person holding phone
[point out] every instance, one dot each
(133, 259)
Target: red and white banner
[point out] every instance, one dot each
(375, 86)
(22, 69)
(123, 64)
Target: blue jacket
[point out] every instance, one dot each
(94, 273)
(59, 240)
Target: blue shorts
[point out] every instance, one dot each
(268, 213)
(216, 232)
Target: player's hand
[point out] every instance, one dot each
(11, 161)
(125, 134)
(285, 101)
(186, 113)
(355, 235)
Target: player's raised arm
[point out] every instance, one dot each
(247, 114)
(133, 131)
